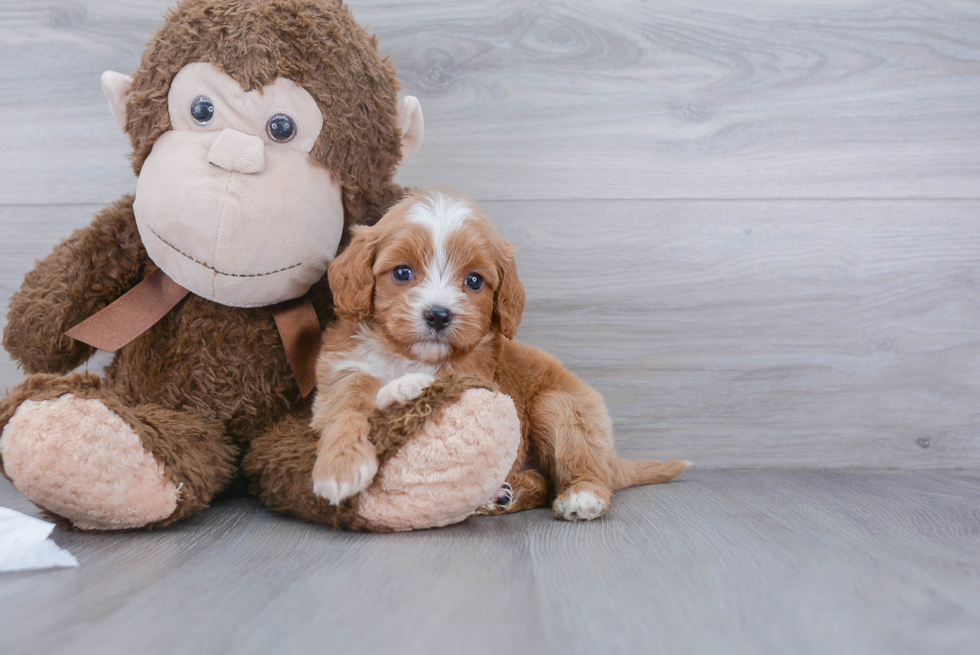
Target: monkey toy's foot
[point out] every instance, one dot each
(79, 460)
(449, 467)
(76, 458)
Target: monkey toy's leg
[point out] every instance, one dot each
(93, 462)
(279, 465)
(440, 456)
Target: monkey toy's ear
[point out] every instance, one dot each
(412, 126)
(115, 86)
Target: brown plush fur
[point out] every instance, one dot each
(208, 379)
(319, 46)
(183, 442)
(280, 462)
(566, 431)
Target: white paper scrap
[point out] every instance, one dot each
(24, 544)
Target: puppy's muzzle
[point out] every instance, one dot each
(438, 318)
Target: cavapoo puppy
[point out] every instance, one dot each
(432, 288)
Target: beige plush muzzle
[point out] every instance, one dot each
(227, 210)
(235, 221)
(228, 207)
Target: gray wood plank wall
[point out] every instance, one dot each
(752, 225)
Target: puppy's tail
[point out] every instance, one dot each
(631, 474)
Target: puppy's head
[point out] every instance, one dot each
(433, 275)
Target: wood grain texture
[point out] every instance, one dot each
(733, 334)
(574, 99)
(765, 562)
(764, 333)
(782, 329)
(238, 579)
(718, 562)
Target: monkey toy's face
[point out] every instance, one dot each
(229, 203)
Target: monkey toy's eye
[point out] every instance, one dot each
(202, 109)
(281, 128)
(474, 281)
(402, 274)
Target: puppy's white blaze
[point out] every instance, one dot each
(436, 290)
(371, 357)
(441, 214)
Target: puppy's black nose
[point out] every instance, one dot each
(438, 318)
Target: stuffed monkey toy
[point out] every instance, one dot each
(261, 130)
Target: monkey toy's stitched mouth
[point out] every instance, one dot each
(212, 268)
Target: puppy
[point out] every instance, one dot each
(432, 288)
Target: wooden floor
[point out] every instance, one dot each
(724, 562)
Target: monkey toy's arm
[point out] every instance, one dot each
(86, 272)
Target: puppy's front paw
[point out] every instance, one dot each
(407, 387)
(339, 474)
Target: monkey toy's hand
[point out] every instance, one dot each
(89, 270)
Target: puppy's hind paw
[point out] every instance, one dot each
(502, 501)
(401, 390)
(579, 505)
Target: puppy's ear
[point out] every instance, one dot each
(508, 303)
(351, 276)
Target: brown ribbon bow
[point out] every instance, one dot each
(137, 310)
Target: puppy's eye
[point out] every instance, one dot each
(474, 281)
(202, 110)
(402, 274)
